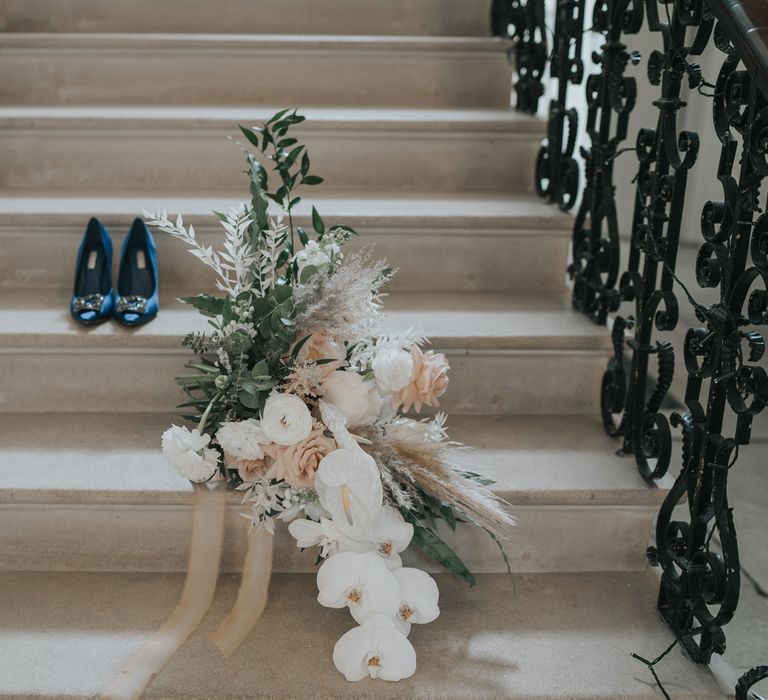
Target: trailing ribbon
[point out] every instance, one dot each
(252, 596)
(196, 597)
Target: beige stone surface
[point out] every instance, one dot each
(216, 69)
(430, 238)
(395, 17)
(71, 499)
(545, 637)
(169, 150)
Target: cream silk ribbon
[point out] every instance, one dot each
(197, 596)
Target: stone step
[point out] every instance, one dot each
(86, 492)
(438, 242)
(558, 637)
(509, 353)
(254, 70)
(99, 150)
(394, 17)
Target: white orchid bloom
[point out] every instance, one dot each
(418, 598)
(187, 451)
(360, 581)
(309, 533)
(375, 649)
(348, 485)
(390, 536)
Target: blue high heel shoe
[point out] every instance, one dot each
(93, 299)
(137, 283)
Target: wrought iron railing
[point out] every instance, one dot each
(700, 586)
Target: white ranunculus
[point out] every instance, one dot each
(418, 598)
(348, 485)
(392, 368)
(357, 399)
(286, 419)
(375, 649)
(312, 254)
(188, 452)
(360, 581)
(242, 439)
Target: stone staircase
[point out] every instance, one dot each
(108, 108)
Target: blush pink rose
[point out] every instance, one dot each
(298, 463)
(429, 380)
(249, 469)
(322, 347)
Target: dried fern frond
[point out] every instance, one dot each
(426, 468)
(346, 303)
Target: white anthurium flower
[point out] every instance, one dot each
(360, 581)
(358, 399)
(336, 422)
(312, 254)
(418, 598)
(392, 368)
(242, 439)
(309, 533)
(348, 485)
(188, 452)
(377, 650)
(286, 419)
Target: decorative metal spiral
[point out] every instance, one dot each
(700, 587)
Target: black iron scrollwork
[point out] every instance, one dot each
(700, 587)
(595, 262)
(557, 173)
(665, 156)
(524, 21)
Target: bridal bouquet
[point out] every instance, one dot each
(302, 401)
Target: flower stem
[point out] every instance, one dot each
(207, 413)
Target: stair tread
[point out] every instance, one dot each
(515, 212)
(115, 459)
(451, 320)
(318, 118)
(552, 637)
(84, 41)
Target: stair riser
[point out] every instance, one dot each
(142, 380)
(196, 76)
(141, 538)
(191, 161)
(428, 260)
(422, 17)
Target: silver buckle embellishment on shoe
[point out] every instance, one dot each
(132, 304)
(90, 302)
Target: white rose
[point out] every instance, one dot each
(188, 452)
(242, 439)
(312, 254)
(357, 399)
(286, 419)
(393, 368)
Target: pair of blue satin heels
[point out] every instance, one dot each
(136, 299)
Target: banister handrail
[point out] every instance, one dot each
(745, 23)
